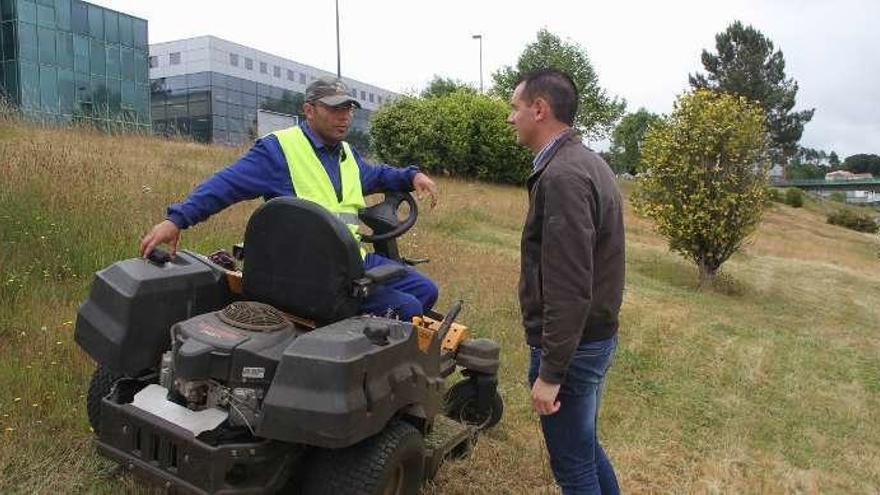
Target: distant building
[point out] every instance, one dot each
(846, 175)
(67, 60)
(776, 173)
(213, 89)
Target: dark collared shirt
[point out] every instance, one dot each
(263, 172)
(547, 147)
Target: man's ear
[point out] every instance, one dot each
(542, 109)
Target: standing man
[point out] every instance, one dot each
(571, 279)
(312, 162)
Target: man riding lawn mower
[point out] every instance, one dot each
(215, 380)
(268, 379)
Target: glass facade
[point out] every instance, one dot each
(214, 107)
(66, 60)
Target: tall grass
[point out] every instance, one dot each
(770, 382)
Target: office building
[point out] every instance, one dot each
(218, 91)
(69, 60)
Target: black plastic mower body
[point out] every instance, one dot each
(308, 373)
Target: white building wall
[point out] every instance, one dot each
(273, 121)
(209, 53)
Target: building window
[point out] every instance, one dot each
(233, 59)
(248, 63)
(302, 78)
(371, 97)
(276, 71)
(174, 58)
(290, 75)
(264, 69)
(154, 62)
(363, 96)
(380, 99)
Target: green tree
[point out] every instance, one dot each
(597, 112)
(628, 138)
(705, 186)
(797, 171)
(463, 134)
(834, 160)
(863, 163)
(440, 86)
(746, 64)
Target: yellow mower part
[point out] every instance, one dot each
(427, 328)
(454, 337)
(233, 279)
(426, 334)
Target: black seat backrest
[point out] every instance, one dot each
(301, 259)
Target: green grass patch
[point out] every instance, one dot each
(766, 382)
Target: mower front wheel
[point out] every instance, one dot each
(462, 404)
(391, 462)
(102, 381)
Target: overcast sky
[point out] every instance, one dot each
(642, 50)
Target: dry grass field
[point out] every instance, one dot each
(768, 382)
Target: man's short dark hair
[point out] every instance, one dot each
(557, 88)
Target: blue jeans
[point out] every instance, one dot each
(579, 464)
(407, 296)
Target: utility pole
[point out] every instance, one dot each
(338, 51)
(480, 37)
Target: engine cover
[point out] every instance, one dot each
(343, 382)
(240, 345)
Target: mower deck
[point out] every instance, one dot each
(171, 456)
(449, 438)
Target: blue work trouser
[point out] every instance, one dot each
(579, 464)
(407, 296)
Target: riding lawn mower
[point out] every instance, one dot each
(268, 379)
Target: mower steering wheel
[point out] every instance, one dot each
(384, 215)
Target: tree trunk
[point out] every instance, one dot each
(707, 273)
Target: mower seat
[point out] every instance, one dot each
(302, 259)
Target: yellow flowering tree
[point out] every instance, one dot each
(706, 176)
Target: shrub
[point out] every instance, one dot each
(774, 195)
(858, 221)
(838, 197)
(706, 177)
(794, 197)
(461, 133)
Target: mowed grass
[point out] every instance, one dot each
(768, 382)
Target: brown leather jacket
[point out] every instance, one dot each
(572, 273)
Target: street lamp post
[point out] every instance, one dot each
(480, 37)
(338, 52)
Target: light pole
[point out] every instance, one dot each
(338, 52)
(480, 37)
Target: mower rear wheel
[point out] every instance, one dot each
(102, 381)
(389, 463)
(461, 404)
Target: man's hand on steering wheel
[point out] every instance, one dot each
(422, 184)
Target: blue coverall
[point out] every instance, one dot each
(263, 172)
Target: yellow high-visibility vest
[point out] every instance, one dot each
(311, 182)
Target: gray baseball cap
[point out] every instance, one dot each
(330, 91)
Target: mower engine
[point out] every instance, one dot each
(226, 359)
